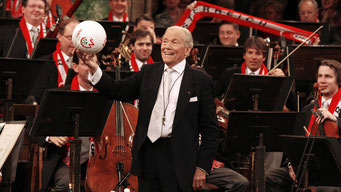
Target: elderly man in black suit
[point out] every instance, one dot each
(30, 29)
(176, 104)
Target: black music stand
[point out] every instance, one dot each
(324, 165)
(9, 21)
(114, 31)
(268, 93)
(71, 113)
(258, 131)
(218, 57)
(45, 46)
(17, 78)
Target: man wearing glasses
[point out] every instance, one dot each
(18, 41)
(52, 76)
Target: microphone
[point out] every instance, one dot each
(12, 43)
(59, 11)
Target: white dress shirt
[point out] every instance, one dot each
(170, 107)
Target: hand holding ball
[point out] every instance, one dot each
(89, 37)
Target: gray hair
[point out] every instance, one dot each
(312, 1)
(187, 33)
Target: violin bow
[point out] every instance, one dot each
(293, 51)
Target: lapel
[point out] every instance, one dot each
(154, 80)
(19, 48)
(185, 93)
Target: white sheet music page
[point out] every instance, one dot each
(8, 138)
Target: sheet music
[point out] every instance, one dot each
(8, 138)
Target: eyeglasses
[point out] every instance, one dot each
(69, 37)
(32, 6)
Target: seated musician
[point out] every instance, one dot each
(254, 56)
(118, 11)
(56, 165)
(141, 42)
(228, 34)
(329, 80)
(54, 75)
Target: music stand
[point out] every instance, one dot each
(258, 131)
(9, 21)
(114, 31)
(250, 92)
(17, 78)
(324, 165)
(218, 57)
(156, 53)
(72, 113)
(269, 93)
(45, 46)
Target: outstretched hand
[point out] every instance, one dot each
(89, 59)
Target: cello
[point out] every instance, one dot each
(110, 167)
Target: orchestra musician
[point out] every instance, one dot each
(141, 42)
(254, 56)
(329, 81)
(56, 164)
(118, 11)
(228, 34)
(54, 75)
(176, 104)
(24, 35)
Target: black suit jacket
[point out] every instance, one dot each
(191, 118)
(19, 49)
(47, 78)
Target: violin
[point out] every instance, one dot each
(110, 168)
(222, 113)
(328, 126)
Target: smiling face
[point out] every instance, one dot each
(34, 12)
(253, 58)
(118, 7)
(173, 47)
(143, 47)
(228, 35)
(65, 39)
(327, 80)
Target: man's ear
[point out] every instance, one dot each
(75, 67)
(131, 46)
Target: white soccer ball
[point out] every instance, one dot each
(89, 37)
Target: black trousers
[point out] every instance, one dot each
(158, 173)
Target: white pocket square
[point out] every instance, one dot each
(193, 99)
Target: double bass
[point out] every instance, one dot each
(109, 169)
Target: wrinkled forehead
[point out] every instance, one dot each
(172, 34)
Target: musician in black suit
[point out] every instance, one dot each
(254, 56)
(28, 31)
(56, 164)
(54, 75)
(329, 81)
(166, 154)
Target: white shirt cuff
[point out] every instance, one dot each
(94, 79)
(47, 139)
